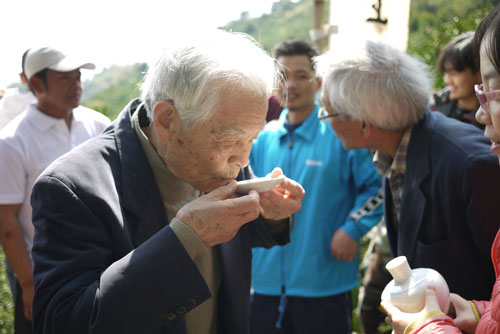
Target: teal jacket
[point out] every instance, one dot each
(341, 188)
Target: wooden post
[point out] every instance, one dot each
(319, 16)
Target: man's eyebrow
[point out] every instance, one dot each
(230, 131)
(298, 71)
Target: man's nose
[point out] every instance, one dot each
(241, 156)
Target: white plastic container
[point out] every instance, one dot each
(407, 290)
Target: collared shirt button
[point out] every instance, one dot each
(171, 316)
(181, 310)
(191, 303)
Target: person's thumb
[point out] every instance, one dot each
(276, 172)
(431, 299)
(389, 308)
(223, 192)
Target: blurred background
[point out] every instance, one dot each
(121, 36)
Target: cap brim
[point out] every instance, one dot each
(69, 64)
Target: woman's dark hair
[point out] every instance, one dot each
(489, 28)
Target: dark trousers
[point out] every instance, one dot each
(21, 324)
(331, 314)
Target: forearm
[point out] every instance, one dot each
(436, 324)
(361, 220)
(14, 247)
(268, 233)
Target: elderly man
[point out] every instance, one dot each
(340, 207)
(440, 176)
(141, 230)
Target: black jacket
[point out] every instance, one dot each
(105, 259)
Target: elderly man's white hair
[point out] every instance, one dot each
(380, 85)
(195, 74)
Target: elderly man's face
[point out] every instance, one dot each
(211, 153)
(347, 130)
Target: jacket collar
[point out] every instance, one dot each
(308, 127)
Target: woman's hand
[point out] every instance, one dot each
(400, 320)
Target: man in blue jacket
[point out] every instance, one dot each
(305, 286)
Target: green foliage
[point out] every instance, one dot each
(113, 88)
(6, 304)
(434, 23)
(287, 20)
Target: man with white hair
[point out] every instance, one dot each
(47, 129)
(292, 292)
(440, 178)
(142, 230)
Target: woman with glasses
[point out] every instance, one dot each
(478, 317)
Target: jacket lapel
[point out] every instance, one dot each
(413, 201)
(233, 296)
(392, 231)
(141, 196)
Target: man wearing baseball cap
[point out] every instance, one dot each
(28, 144)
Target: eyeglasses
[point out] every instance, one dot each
(484, 97)
(323, 115)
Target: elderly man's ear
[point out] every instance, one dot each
(164, 114)
(366, 129)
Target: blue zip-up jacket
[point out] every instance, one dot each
(341, 188)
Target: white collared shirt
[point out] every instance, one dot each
(29, 143)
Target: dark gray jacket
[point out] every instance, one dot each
(449, 211)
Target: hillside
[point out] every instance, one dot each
(287, 20)
(432, 24)
(110, 90)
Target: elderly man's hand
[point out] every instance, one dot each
(217, 216)
(282, 201)
(342, 246)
